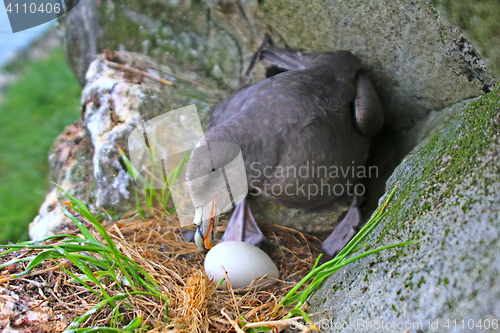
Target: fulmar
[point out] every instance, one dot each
(315, 109)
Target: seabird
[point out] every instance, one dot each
(316, 109)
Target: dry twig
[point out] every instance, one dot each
(136, 71)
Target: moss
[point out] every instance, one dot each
(180, 35)
(420, 282)
(122, 31)
(444, 161)
(451, 303)
(478, 19)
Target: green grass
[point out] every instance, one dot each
(343, 258)
(123, 274)
(38, 105)
(153, 197)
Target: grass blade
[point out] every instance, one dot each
(319, 274)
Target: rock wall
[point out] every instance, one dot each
(448, 201)
(478, 20)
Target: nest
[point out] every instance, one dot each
(194, 305)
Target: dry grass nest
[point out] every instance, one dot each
(194, 305)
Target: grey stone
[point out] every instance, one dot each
(478, 19)
(175, 33)
(448, 201)
(321, 223)
(79, 31)
(409, 49)
(70, 160)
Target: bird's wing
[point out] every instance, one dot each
(284, 59)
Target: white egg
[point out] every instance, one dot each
(243, 263)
